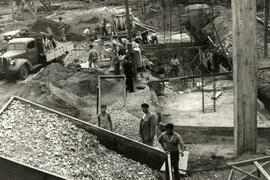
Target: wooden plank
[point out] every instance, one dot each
(244, 172)
(191, 77)
(183, 163)
(130, 148)
(262, 170)
(261, 21)
(249, 162)
(244, 76)
(231, 174)
(254, 171)
(217, 95)
(6, 104)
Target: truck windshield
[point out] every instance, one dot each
(19, 46)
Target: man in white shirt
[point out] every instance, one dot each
(175, 66)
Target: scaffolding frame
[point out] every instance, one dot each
(99, 94)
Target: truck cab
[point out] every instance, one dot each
(21, 57)
(25, 54)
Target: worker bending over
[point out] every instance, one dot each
(104, 119)
(147, 126)
(170, 142)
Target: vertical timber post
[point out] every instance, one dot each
(129, 45)
(12, 10)
(244, 75)
(266, 16)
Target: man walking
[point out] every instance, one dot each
(147, 126)
(170, 142)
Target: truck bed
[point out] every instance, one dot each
(59, 51)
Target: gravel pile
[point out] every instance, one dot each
(48, 141)
(123, 122)
(78, 57)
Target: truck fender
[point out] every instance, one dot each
(20, 62)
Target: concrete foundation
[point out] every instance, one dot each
(184, 110)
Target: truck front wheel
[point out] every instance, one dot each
(23, 72)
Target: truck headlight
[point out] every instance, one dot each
(12, 63)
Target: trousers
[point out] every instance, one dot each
(175, 165)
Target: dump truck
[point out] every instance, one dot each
(25, 54)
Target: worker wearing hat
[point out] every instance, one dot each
(147, 126)
(62, 30)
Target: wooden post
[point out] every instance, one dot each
(130, 50)
(12, 10)
(244, 75)
(143, 9)
(266, 15)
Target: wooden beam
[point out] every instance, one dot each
(262, 170)
(244, 75)
(266, 14)
(190, 77)
(231, 174)
(254, 171)
(249, 162)
(244, 172)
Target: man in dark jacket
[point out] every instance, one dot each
(127, 65)
(147, 126)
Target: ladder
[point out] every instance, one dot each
(208, 104)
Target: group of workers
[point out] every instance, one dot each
(48, 38)
(170, 140)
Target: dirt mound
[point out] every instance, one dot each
(42, 24)
(80, 83)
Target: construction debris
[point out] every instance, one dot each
(48, 141)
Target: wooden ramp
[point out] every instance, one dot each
(130, 148)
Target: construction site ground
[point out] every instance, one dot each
(74, 94)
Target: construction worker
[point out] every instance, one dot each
(174, 66)
(170, 142)
(93, 57)
(49, 32)
(104, 119)
(154, 38)
(104, 31)
(86, 32)
(147, 126)
(62, 30)
(144, 36)
(127, 67)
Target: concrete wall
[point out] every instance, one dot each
(162, 53)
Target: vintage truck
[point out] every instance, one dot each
(25, 54)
